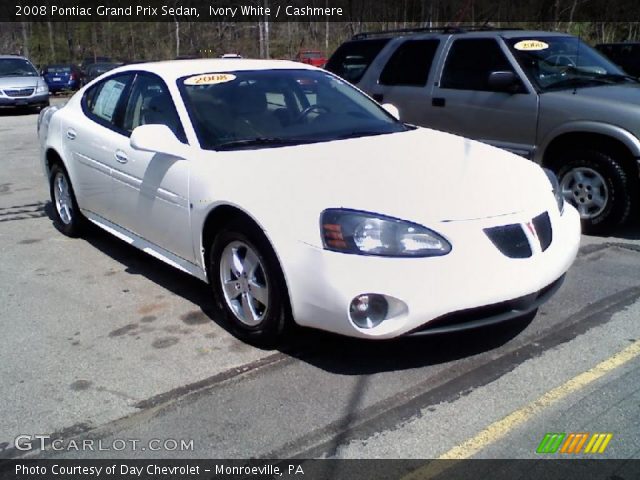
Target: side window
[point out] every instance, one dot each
(102, 100)
(470, 62)
(352, 59)
(410, 63)
(150, 103)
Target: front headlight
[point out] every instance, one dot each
(42, 88)
(351, 231)
(555, 188)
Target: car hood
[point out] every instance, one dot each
(422, 175)
(624, 93)
(18, 82)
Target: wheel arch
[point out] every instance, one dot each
(220, 215)
(52, 157)
(619, 149)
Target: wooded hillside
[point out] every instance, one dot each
(48, 42)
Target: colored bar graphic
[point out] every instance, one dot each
(598, 443)
(550, 443)
(573, 442)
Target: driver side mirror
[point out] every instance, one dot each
(507, 82)
(392, 109)
(156, 139)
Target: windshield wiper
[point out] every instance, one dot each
(617, 76)
(360, 133)
(17, 74)
(259, 142)
(576, 82)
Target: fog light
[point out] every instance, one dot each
(367, 311)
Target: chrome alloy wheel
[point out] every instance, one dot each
(587, 190)
(62, 197)
(244, 283)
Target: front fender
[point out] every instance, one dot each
(624, 136)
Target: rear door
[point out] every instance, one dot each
(90, 135)
(406, 80)
(463, 103)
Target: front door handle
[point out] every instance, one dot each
(121, 157)
(438, 102)
(378, 97)
(71, 134)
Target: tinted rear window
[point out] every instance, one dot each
(352, 59)
(410, 63)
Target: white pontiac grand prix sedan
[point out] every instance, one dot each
(298, 197)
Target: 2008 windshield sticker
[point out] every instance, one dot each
(209, 79)
(529, 45)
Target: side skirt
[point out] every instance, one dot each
(147, 247)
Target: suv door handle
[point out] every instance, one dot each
(438, 102)
(71, 134)
(121, 157)
(378, 97)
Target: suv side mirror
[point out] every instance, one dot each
(157, 139)
(506, 81)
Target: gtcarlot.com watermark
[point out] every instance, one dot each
(47, 442)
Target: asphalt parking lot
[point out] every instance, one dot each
(101, 341)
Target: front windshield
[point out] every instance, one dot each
(554, 63)
(16, 67)
(257, 109)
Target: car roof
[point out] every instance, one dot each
(13, 57)
(180, 68)
(444, 31)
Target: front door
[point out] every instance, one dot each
(151, 189)
(463, 103)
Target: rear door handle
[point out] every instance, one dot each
(121, 157)
(71, 134)
(378, 97)
(438, 102)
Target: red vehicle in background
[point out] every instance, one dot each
(311, 57)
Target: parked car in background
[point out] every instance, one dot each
(231, 55)
(407, 231)
(60, 77)
(94, 70)
(20, 84)
(311, 57)
(546, 96)
(626, 55)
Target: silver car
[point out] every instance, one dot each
(20, 84)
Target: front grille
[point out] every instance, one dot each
(542, 224)
(19, 92)
(510, 240)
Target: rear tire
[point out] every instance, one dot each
(598, 187)
(67, 216)
(249, 289)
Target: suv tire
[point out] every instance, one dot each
(598, 187)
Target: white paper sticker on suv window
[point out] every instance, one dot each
(209, 79)
(528, 45)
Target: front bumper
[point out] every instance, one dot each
(424, 291)
(40, 100)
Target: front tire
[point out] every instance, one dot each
(67, 216)
(248, 285)
(598, 187)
